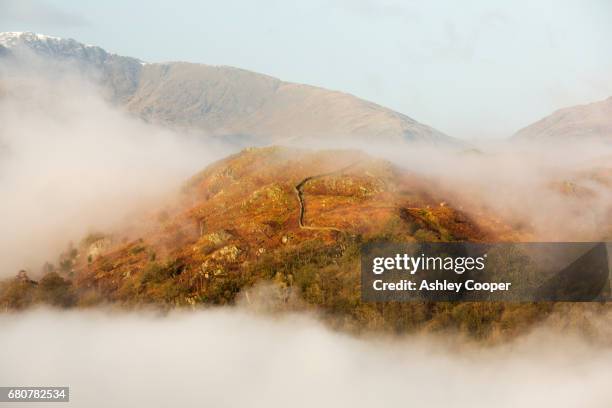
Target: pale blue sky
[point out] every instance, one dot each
(472, 69)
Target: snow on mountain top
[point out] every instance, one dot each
(50, 45)
(11, 38)
(27, 34)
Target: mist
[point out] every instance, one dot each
(548, 190)
(230, 357)
(71, 164)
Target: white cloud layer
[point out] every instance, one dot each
(229, 358)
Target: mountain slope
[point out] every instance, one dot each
(224, 101)
(593, 120)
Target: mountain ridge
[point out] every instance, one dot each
(228, 101)
(592, 120)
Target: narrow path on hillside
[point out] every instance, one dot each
(299, 191)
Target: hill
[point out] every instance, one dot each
(275, 202)
(285, 221)
(592, 121)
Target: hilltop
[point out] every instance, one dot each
(273, 203)
(590, 121)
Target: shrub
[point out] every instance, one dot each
(55, 290)
(16, 294)
(156, 272)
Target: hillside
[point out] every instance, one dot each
(286, 222)
(269, 204)
(246, 107)
(593, 121)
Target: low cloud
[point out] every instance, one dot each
(70, 164)
(541, 190)
(227, 358)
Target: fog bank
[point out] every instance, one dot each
(551, 190)
(229, 358)
(70, 163)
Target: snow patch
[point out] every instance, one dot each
(11, 39)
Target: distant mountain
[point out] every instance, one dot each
(593, 120)
(224, 101)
